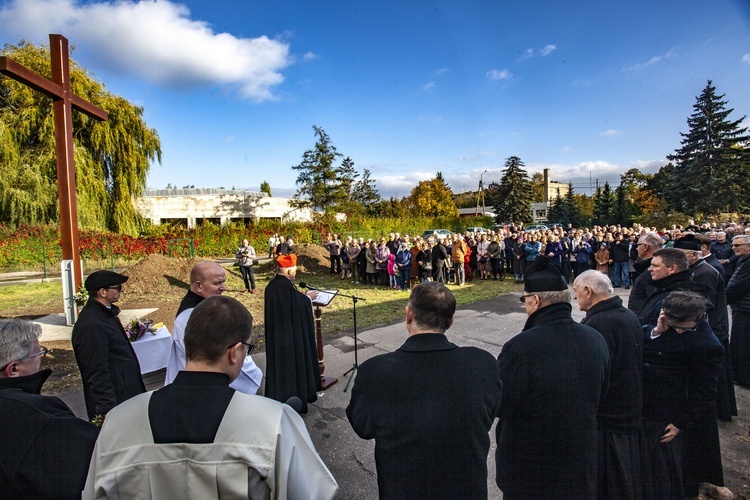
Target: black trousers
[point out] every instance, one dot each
(248, 277)
(335, 264)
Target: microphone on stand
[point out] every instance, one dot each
(309, 287)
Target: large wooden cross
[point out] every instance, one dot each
(63, 102)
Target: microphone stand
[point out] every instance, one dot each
(351, 371)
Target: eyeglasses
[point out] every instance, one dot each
(639, 244)
(739, 244)
(42, 352)
(693, 328)
(250, 347)
(523, 298)
(115, 287)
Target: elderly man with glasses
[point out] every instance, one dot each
(109, 367)
(548, 407)
(45, 447)
(738, 297)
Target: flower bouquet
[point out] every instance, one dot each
(137, 329)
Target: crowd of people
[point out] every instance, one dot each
(622, 405)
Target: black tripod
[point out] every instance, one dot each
(351, 371)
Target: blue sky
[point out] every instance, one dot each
(588, 89)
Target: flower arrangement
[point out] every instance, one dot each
(82, 296)
(137, 329)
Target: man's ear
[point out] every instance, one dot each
(11, 370)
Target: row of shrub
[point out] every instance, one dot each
(34, 247)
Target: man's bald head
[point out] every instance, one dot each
(207, 278)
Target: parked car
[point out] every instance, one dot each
(476, 230)
(536, 227)
(440, 233)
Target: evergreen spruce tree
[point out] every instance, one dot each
(604, 205)
(712, 166)
(364, 192)
(321, 188)
(511, 198)
(265, 187)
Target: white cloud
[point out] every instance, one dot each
(441, 71)
(746, 58)
(543, 52)
(310, 56)
(547, 50)
(610, 133)
(652, 61)
(429, 86)
(527, 54)
(499, 74)
(156, 41)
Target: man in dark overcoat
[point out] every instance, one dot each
(668, 272)
(291, 354)
(554, 374)
(623, 460)
(109, 367)
(429, 406)
(738, 296)
(682, 359)
(647, 244)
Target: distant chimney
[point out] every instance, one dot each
(546, 185)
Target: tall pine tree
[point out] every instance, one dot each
(604, 205)
(511, 198)
(712, 166)
(319, 179)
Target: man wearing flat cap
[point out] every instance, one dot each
(291, 354)
(554, 373)
(108, 364)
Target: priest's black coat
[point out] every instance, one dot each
(554, 373)
(429, 406)
(291, 354)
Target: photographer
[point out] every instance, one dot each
(245, 256)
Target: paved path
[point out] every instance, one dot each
(54, 327)
(488, 325)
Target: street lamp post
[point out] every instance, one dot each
(480, 194)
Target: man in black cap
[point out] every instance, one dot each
(554, 373)
(108, 364)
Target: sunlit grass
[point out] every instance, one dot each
(30, 298)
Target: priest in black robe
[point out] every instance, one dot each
(291, 355)
(554, 373)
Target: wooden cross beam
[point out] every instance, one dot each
(63, 102)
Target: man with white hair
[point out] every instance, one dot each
(647, 244)
(738, 296)
(622, 448)
(45, 447)
(722, 249)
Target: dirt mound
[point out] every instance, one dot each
(157, 274)
(311, 259)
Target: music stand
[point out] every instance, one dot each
(324, 298)
(351, 371)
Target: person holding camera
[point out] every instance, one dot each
(245, 256)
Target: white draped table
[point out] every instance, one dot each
(153, 350)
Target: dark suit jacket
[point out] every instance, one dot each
(109, 367)
(429, 406)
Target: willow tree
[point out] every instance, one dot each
(112, 158)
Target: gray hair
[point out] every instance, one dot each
(743, 237)
(555, 297)
(17, 338)
(653, 240)
(596, 280)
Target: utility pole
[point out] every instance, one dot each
(480, 195)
